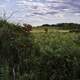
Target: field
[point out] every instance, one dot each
(50, 29)
(57, 55)
(57, 42)
(38, 55)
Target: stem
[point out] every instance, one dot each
(14, 74)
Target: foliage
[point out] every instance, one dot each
(70, 26)
(57, 57)
(15, 46)
(27, 27)
(41, 56)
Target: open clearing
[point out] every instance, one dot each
(38, 30)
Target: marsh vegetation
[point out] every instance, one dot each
(36, 55)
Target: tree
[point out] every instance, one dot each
(27, 27)
(7, 17)
(46, 25)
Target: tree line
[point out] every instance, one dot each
(63, 25)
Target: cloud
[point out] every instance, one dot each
(60, 15)
(42, 9)
(48, 10)
(54, 1)
(7, 0)
(50, 6)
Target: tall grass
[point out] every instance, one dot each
(56, 56)
(38, 56)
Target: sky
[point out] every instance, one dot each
(37, 12)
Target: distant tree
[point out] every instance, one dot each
(68, 26)
(27, 27)
(45, 25)
(53, 25)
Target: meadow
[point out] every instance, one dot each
(50, 29)
(58, 43)
(38, 55)
(57, 55)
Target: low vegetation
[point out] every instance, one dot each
(25, 55)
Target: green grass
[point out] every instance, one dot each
(58, 43)
(50, 29)
(54, 55)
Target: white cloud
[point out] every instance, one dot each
(7, 0)
(55, 0)
(2, 6)
(42, 9)
(60, 15)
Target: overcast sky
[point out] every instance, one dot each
(38, 12)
